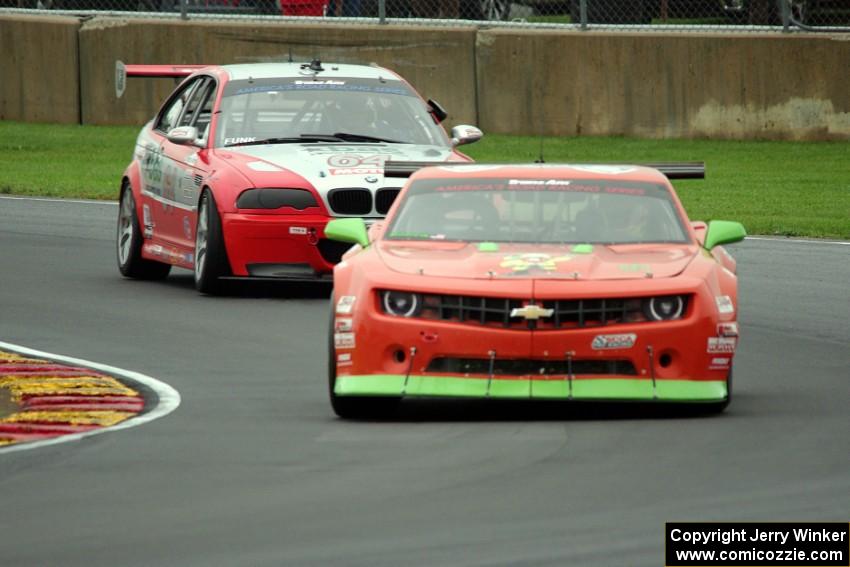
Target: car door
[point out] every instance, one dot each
(158, 175)
(184, 166)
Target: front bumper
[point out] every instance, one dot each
(669, 361)
(279, 246)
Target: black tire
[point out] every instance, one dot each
(211, 262)
(353, 407)
(128, 243)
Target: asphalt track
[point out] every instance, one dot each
(254, 469)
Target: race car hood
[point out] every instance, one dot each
(330, 165)
(491, 261)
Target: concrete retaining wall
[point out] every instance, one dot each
(39, 77)
(664, 86)
(508, 81)
(438, 62)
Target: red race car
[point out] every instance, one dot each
(243, 166)
(553, 282)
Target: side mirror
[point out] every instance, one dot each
(465, 134)
(723, 232)
(182, 135)
(438, 111)
(348, 230)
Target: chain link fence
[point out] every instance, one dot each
(650, 15)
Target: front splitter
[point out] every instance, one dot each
(603, 389)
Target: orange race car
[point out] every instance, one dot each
(553, 282)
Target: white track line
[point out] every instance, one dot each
(169, 398)
(51, 200)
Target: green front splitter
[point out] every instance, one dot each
(584, 389)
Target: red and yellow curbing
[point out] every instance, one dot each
(52, 399)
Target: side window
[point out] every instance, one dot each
(194, 103)
(171, 113)
(199, 109)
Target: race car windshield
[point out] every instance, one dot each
(546, 211)
(345, 110)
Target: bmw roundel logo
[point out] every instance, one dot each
(371, 179)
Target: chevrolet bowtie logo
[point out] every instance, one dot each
(532, 312)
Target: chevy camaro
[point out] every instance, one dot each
(542, 282)
(243, 166)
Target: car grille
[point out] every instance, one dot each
(523, 367)
(466, 309)
(350, 201)
(585, 312)
(384, 200)
(489, 311)
(332, 250)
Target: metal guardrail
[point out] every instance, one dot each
(633, 15)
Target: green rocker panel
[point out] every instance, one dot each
(584, 389)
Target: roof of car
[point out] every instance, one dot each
(301, 69)
(545, 171)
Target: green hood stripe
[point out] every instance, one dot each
(584, 389)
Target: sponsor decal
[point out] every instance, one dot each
(540, 185)
(297, 230)
(242, 140)
(343, 359)
(358, 160)
(525, 263)
(168, 184)
(355, 170)
(188, 258)
(187, 228)
(358, 164)
(727, 329)
(469, 168)
(263, 166)
(345, 305)
(146, 219)
(319, 82)
(724, 304)
(179, 132)
(605, 342)
(611, 169)
(344, 340)
(151, 169)
(343, 325)
(537, 182)
(120, 79)
(721, 345)
(719, 363)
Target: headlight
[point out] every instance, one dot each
(272, 198)
(401, 303)
(664, 308)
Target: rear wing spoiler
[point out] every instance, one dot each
(123, 71)
(673, 169)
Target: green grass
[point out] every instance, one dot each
(781, 188)
(64, 161)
